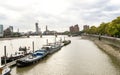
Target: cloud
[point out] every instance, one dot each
(2, 17)
(57, 14)
(96, 12)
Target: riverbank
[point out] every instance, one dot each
(108, 48)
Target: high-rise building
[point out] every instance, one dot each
(85, 27)
(11, 28)
(74, 29)
(37, 28)
(46, 28)
(49, 32)
(1, 31)
(71, 29)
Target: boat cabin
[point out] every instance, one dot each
(46, 47)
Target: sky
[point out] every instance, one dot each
(58, 15)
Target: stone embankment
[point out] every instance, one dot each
(106, 47)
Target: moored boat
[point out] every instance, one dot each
(22, 52)
(11, 58)
(31, 58)
(5, 70)
(66, 42)
(52, 47)
(42, 51)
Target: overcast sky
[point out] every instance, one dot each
(57, 14)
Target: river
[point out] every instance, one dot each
(81, 57)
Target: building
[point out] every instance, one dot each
(47, 28)
(11, 28)
(37, 28)
(71, 29)
(74, 29)
(48, 32)
(85, 27)
(1, 31)
(7, 32)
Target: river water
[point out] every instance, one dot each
(81, 57)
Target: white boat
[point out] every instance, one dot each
(5, 70)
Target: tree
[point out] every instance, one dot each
(114, 27)
(92, 30)
(111, 28)
(102, 29)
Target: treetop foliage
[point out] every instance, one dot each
(110, 29)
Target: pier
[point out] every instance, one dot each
(11, 64)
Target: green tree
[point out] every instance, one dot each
(111, 28)
(102, 29)
(93, 30)
(114, 27)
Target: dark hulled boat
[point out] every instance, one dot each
(52, 47)
(11, 58)
(66, 42)
(22, 52)
(32, 58)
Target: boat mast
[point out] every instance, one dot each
(64, 38)
(33, 46)
(5, 54)
(47, 41)
(60, 40)
(55, 36)
(55, 41)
